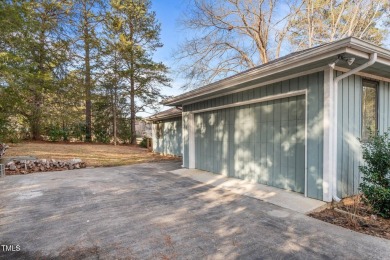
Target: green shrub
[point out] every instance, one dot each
(102, 136)
(124, 130)
(9, 131)
(78, 131)
(375, 184)
(57, 133)
(144, 142)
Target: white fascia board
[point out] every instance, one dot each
(358, 53)
(156, 119)
(364, 74)
(266, 83)
(369, 48)
(384, 59)
(266, 70)
(353, 46)
(253, 101)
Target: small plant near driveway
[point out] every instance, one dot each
(375, 184)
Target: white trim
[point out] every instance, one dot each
(369, 47)
(383, 61)
(328, 147)
(183, 137)
(157, 119)
(358, 53)
(292, 76)
(306, 121)
(253, 101)
(349, 45)
(281, 65)
(363, 74)
(336, 80)
(191, 141)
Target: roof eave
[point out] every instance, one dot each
(159, 118)
(347, 45)
(369, 48)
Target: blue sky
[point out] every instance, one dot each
(168, 13)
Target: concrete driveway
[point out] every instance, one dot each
(143, 212)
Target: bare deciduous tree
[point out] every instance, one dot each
(229, 36)
(323, 21)
(232, 35)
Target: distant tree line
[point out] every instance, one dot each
(77, 68)
(83, 68)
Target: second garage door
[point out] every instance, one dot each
(262, 142)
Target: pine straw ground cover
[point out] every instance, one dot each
(351, 213)
(94, 155)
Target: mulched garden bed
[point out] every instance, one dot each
(354, 215)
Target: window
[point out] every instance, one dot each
(369, 108)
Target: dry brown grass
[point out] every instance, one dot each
(93, 154)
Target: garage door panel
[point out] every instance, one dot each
(270, 162)
(277, 180)
(277, 110)
(301, 108)
(270, 131)
(263, 133)
(262, 116)
(230, 162)
(284, 109)
(292, 110)
(262, 142)
(284, 146)
(300, 168)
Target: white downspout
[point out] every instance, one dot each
(371, 61)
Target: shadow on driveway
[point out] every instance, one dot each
(143, 211)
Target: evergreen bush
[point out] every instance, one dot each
(375, 184)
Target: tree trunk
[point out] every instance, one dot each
(132, 93)
(132, 107)
(114, 110)
(88, 103)
(115, 123)
(115, 98)
(35, 121)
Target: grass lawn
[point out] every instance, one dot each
(93, 154)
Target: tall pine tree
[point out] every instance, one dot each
(87, 18)
(32, 47)
(138, 38)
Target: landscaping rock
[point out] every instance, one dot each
(11, 166)
(74, 161)
(43, 165)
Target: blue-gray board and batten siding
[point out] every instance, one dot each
(169, 141)
(263, 142)
(350, 127)
(260, 150)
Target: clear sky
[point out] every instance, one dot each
(168, 13)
